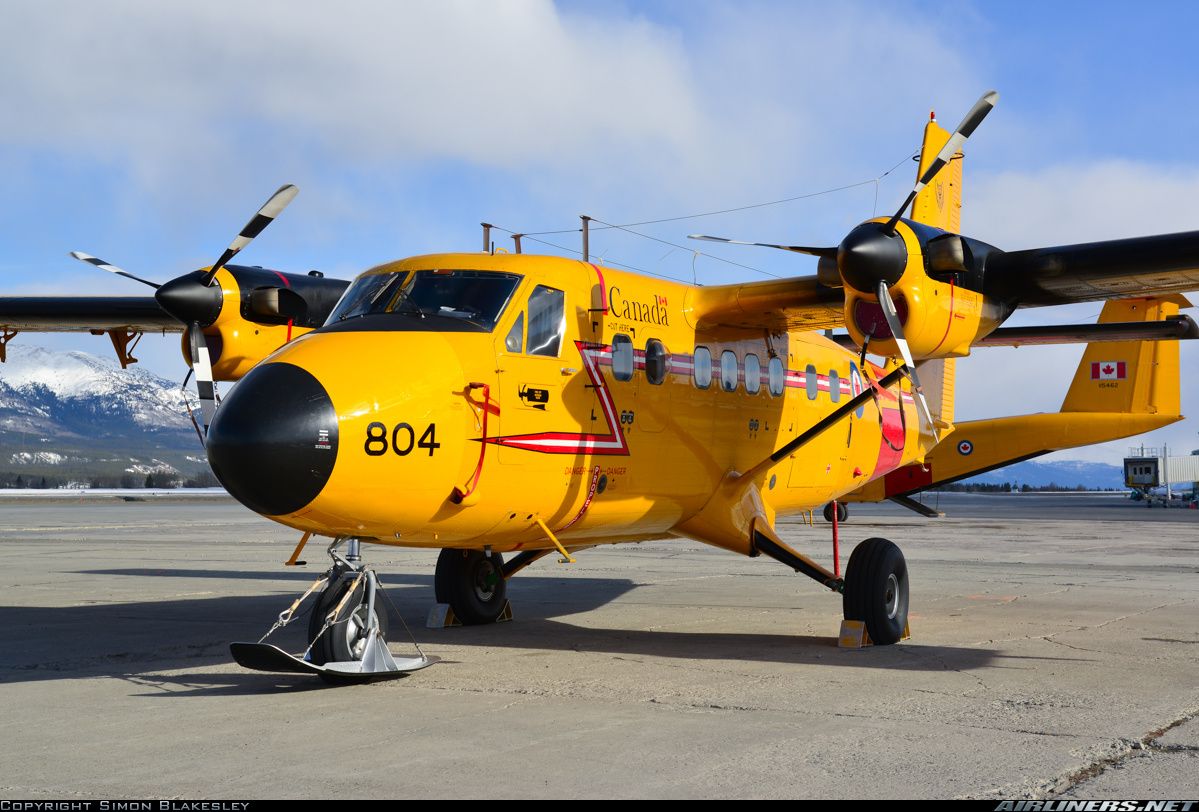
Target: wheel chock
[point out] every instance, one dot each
(442, 616)
(854, 635)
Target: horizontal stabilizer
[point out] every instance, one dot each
(1172, 328)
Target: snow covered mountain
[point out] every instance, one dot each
(71, 411)
(1066, 474)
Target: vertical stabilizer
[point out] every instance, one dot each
(940, 203)
(937, 378)
(1129, 376)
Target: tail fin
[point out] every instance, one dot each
(937, 377)
(939, 204)
(1129, 377)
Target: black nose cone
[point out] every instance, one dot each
(273, 441)
(188, 299)
(869, 255)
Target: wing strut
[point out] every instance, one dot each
(829, 420)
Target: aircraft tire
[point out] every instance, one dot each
(876, 590)
(472, 584)
(340, 643)
(842, 512)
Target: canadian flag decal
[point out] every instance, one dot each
(1108, 371)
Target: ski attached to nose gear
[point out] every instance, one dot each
(348, 643)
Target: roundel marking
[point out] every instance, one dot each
(965, 447)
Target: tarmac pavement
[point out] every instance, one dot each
(1053, 654)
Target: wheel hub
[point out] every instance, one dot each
(486, 578)
(355, 630)
(891, 596)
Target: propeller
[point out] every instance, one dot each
(202, 367)
(873, 256)
(265, 216)
(106, 266)
(196, 302)
(896, 327)
(831, 253)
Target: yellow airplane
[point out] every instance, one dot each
(490, 405)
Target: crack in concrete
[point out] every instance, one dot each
(1118, 752)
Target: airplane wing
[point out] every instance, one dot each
(1142, 266)
(69, 314)
(797, 303)
(1087, 272)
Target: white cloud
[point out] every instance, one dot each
(618, 105)
(597, 110)
(1101, 200)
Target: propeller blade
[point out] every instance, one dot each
(104, 266)
(892, 317)
(969, 124)
(269, 211)
(202, 366)
(831, 253)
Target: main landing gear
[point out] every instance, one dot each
(842, 512)
(874, 590)
(472, 586)
(346, 628)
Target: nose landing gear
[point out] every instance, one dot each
(346, 629)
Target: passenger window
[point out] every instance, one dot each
(657, 361)
(547, 320)
(622, 358)
(728, 371)
(702, 367)
(834, 385)
(753, 374)
(776, 376)
(811, 384)
(515, 342)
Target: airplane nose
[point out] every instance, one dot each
(273, 441)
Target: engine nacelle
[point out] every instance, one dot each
(260, 311)
(235, 347)
(941, 318)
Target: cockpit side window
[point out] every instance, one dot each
(547, 321)
(515, 342)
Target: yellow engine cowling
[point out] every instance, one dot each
(939, 318)
(236, 346)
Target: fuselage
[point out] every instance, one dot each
(503, 389)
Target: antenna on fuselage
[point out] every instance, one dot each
(586, 237)
(516, 239)
(487, 246)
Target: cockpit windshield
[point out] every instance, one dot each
(477, 297)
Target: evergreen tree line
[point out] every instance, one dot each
(15, 479)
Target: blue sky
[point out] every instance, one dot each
(147, 133)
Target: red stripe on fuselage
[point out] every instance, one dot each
(893, 431)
